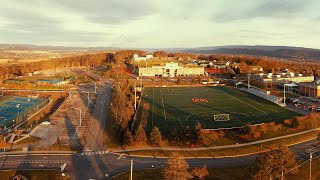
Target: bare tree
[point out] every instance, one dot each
(176, 169)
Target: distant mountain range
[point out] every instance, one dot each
(285, 52)
(25, 47)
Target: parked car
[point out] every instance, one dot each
(46, 123)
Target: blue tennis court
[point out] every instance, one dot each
(15, 109)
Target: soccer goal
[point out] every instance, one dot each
(221, 117)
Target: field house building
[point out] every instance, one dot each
(271, 80)
(310, 89)
(171, 70)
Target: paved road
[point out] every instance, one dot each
(84, 167)
(94, 137)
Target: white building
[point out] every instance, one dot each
(171, 70)
(137, 58)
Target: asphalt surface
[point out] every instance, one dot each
(94, 137)
(84, 167)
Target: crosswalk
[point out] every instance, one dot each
(35, 162)
(94, 153)
(313, 150)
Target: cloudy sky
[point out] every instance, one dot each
(160, 23)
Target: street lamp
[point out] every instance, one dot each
(284, 93)
(29, 104)
(18, 106)
(152, 170)
(80, 114)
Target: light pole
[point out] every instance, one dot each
(80, 114)
(152, 170)
(28, 104)
(88, 95)
(248, 80)
(310, 173)
(135, 96)
(18, 106)
(95, 87)
(284, 94)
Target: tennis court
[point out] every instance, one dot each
(14, 109)
(178, 107)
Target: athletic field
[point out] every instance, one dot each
(178, 107)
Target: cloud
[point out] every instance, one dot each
(107, 12)
(267, 9)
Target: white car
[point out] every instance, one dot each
(46, 123)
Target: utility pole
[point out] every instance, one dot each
(284, 94)
(131, 168)
(135, 96)
(310, 173)
(248, 80)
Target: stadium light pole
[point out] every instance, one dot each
(80, 114)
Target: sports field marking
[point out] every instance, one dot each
(247, 103)
(180, 121)
(206, 90)
(164, 110)
(211, 111)
(219, 107)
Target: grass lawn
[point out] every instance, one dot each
(229, 151)
(229, 173)
(174, 107)
(33, 174)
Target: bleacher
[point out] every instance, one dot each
(261, 94)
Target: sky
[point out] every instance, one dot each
(160, 23)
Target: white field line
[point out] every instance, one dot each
(180, 121)
(246, 103)
(164, 111)
(152, 106)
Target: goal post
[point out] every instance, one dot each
(221, 117)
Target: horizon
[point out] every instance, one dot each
(154, 25)
(155, 48)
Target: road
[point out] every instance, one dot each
(94, 137)
(84, 167)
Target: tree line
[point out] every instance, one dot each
(273, 164)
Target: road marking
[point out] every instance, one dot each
(119, 156)
(35, 162)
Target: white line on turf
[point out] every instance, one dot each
(247, 104)
(164, 111)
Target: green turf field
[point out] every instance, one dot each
(172, 107)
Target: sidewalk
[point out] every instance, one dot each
(217, 147)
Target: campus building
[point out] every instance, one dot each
(137, 58)
(171, 70)
(271, 80)
(310, 89)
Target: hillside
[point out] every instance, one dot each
(269, 51)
